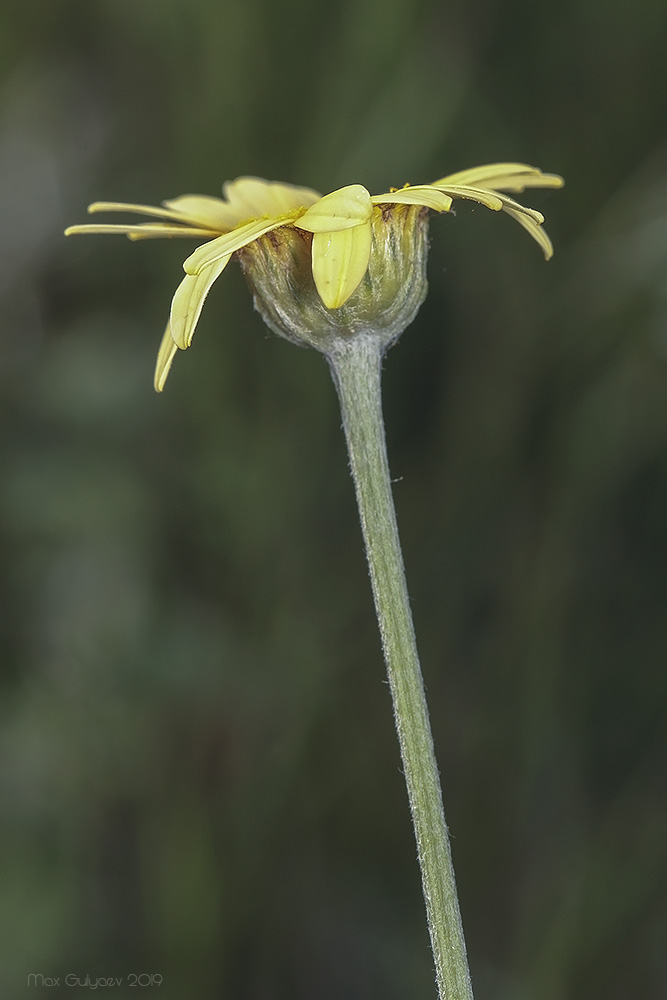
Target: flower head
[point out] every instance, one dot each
(340, 234)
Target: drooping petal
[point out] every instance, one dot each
(165, 356)
(206, 210)
(340, 260)
(252, 197)
(535, 230)
(418, 194)
(139, 231)
(209, 252)
(494, 200)
(486, 198)
(187, 303)
(510, 203)
(349, 206)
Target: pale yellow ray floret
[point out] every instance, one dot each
(253, 196)
(535, 230)
(343, 209)
(205, 210)
(341, 226)
(165, 355)
(139, 231)
(340, 261)
(417, 194)
(173, 214)
(187, 303)
(229, 243)
(504, 176)
(340, 223)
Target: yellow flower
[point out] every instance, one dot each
(339, 227)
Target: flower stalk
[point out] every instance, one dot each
(356, 370)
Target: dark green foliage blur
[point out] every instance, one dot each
(200, 776)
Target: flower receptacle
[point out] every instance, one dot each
(279, 271)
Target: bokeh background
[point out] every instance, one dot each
(200, 776)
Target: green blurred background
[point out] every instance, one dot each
(200, 775)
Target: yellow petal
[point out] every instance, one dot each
(342, 209)
(253, 196)
(209, 252)
(186, 305)
(292, 196)
(493, 200)
(510, 203)
(478, 176)
(139, 231)
(418, 194)
(519, 182)
(487, 198)
(340, 260)
(536, 231)
(165, 356)
(205, 210)
(159, 213)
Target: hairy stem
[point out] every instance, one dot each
(356, 369)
